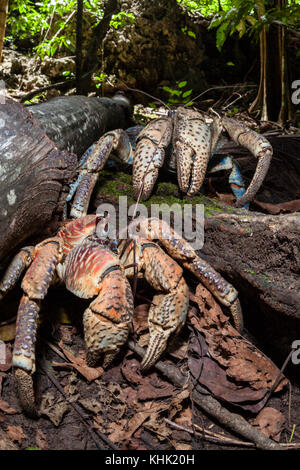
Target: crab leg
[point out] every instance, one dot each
(259, 146)
(117, 141)
(182, 251)
(13, 273)
(93, 271)
(168, 310)
(149, 156)
(35, 285)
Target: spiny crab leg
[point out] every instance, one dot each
(259, 146)
(35, 285)
(117, 141)
(149, 156)
(182, 251)
(16, 267)
(169, 308)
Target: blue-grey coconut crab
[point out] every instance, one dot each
(194, 140)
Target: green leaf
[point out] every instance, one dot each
(182, 84)
(191, 34)
(187, 93)
(230, 63)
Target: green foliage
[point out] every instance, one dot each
(50, 23)
(121, 19)
(179, 94)
(251, 16)
(100, 79)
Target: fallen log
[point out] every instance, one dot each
(74, 123)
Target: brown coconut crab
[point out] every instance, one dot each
(194, 141)
(93, 267)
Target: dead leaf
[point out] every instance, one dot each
(6, 361)
(78, 363)
(290, 206)
(270, 422)
(6, 408)
(40, 440)
(54, 408)
(181, 445)
(8, 331)
(15, 433)
(224, 362)
(140, 318)
(92, 405)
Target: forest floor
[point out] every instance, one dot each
(134, 411)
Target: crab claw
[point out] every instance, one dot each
(259, 146)
(192, 140)
(150, 155)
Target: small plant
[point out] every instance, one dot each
(121, 19)
(100, 79)
(179, 95)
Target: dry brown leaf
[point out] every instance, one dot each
(78, 363)
(234, 370)
(140, 318)
(185, 418)
(270, 422)
(290, 206)
(54, 408)
(8, 331)
(15, 433)
(6, 408)
(6, 362)
(181, 445)
(40, 440)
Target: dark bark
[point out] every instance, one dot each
(260, 255)
(73, 123)
(99, 33)
(79, 45)
(33, 175)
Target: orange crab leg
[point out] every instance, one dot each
(182, 251)
(168, 310)
(35, 285)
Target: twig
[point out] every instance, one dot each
(210, 436)
(90, 429)
(210, 405)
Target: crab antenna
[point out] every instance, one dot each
(215, 112)
(234, 101)
(146, 94)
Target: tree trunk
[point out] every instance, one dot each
(79, 46)
(3, 16)
(99, 33)
(273, 98)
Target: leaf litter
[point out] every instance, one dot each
(133, 409)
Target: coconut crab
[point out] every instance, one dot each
(94, 267)
(194, 141)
